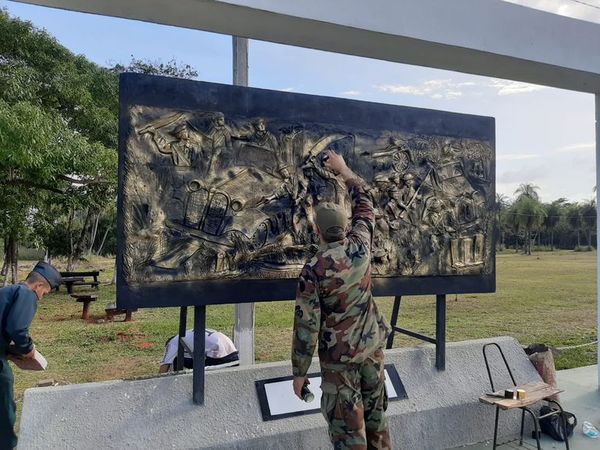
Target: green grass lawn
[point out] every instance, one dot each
(549, 297)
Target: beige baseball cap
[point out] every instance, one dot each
(332, 220)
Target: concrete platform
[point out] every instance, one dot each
(442, 409)
(582, 398)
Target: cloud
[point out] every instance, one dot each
(351, 93)
(288, 89)
(448, 89)
(517, 156)
(583, 147)
(437, 89)
(507, 87)
(578, 10)
(523, 175)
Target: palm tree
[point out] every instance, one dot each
(530, 214)
(509, 222)
(500, 206)
(574, 220)
(588, 219)
(554, 213)
(528, 190)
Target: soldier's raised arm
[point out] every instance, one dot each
(363, 213)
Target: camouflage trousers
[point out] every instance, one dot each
(354, 402)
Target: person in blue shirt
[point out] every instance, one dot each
(18, 304)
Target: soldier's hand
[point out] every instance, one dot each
(337, 165)
(333, 161)
(298, 384)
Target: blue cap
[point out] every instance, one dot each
(50, 273)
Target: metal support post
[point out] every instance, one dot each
(598, 226)
(244, 312)
(394, 321)
(240, 61)
(182, 327)
(199, 355)
(440, 332)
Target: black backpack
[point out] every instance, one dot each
(552, 425)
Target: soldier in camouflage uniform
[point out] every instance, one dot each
(335, 308)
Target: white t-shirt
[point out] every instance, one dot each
(217, 345)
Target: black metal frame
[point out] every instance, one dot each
(200, 326)
(198, 354)
(139, 89)
(220, 292)
(440, 329)
(536, 419)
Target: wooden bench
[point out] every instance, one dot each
(86, 299)
(112, 311)
(71, 279)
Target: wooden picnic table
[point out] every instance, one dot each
(70, 281)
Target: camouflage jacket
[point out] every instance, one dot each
(334, 304)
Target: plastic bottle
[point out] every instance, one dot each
(590, 431)
(307, 396)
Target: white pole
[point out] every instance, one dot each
(598, 226)
(244, 312)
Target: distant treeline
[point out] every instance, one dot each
(525, 222)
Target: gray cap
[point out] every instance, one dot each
(50, 273)
(331, 219)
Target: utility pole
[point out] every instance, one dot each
(244, 312)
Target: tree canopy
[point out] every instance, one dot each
(58, 131)
(58, 141)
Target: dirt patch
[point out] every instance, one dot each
(123, 336)
(144, 345)
(60, 318)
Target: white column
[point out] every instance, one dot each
(244, 312)
(598, 226)
(240, 61)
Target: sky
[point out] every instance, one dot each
(544, 136)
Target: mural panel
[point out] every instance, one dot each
(220, 183)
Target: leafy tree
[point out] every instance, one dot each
(588, 220)
(169, 69)
(528, 190)
(58, 140)
(58, 123)
(500, 206)
(554, 213)
(43, 163)
(574, 219)
(510, 223)
(529, 216)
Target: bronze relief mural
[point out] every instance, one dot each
(219, 183)
(215, 196)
